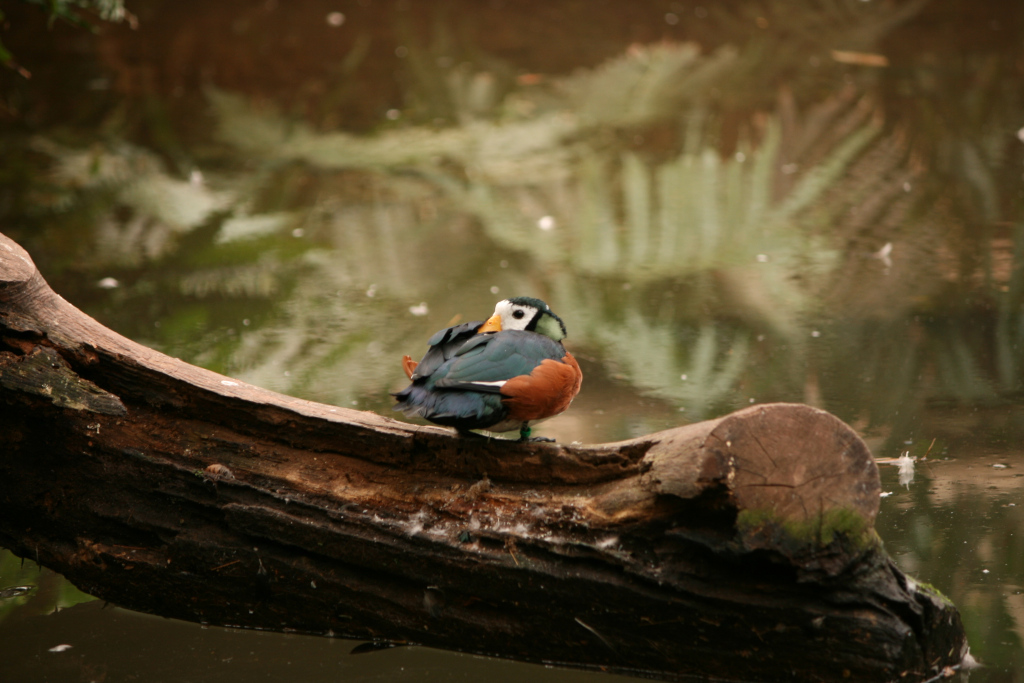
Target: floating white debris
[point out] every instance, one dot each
(1000, 466)
(906, 465)
(884, 255)
(885, 494)
(762, 258)
(419, 310)
(546, 223)
(494, 289)
(335, 19)
(815, 333)
(64, 647)
(108, 283)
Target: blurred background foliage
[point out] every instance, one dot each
(729, 203)
(722, 223)
(71, 11)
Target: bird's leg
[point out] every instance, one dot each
(524, 435)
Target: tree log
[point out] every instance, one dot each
(741, 547)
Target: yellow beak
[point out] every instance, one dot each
(493, 324)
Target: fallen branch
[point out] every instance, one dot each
(741, 547)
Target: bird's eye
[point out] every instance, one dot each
(518, 314)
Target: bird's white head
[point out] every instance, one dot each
(527, 314)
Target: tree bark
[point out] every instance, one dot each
(741, 547)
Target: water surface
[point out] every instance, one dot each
(730, 203)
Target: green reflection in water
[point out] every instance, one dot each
(706, 279)
(26, 589)
(685, 272)
(753, 221)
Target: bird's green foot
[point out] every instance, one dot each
(524, 435)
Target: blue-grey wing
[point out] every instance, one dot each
(488, 359)
(443, 345)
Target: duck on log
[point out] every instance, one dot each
(740, 548)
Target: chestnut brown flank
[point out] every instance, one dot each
(546, 391)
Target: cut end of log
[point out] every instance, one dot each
(800, 479)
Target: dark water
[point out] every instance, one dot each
(728, 203)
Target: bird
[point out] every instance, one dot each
(496, 375)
